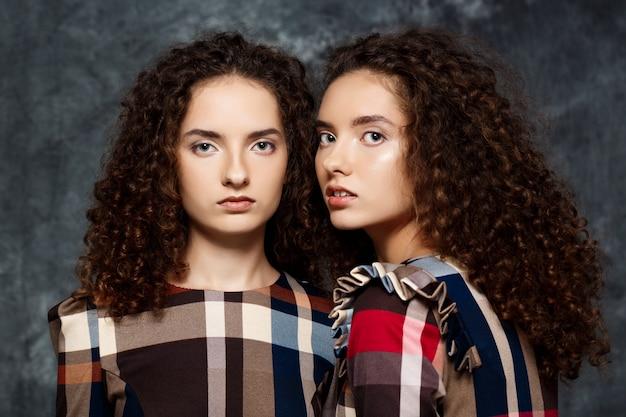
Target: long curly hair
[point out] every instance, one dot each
(484, 195)
(138, 229)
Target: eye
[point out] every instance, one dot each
(264, 147)
(373, 138)
(326, 139)
(203, 148)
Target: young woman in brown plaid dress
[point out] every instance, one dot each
(186, 305)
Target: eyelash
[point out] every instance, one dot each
(382, 137)
(197, 147)
(327, 134)
(272, 146)
(330, 135)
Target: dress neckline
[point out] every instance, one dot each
(417, 258)
(173, 288)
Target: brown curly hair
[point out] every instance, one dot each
(138, 228)
(484, 195)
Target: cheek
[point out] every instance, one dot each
(319, 166)
(270, 174)
(382, 168)
(199, 179)
(388, 193)
(321, 173)
(187, 176)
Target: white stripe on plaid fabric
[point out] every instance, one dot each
(305, 334)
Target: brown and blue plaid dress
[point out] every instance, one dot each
(210, 353)
(418, 340)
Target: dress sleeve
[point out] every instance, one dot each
(393, 348)
(81, 390)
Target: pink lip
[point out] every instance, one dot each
(337, 202)
(237, 203)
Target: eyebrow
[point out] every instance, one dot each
(210, 134)
(207, 134)
(361, 120)
(265, 132)
(322, 124)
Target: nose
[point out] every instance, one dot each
(235, 172)
(336, 158)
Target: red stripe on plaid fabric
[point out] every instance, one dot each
(283, 294)
(316, 303)
(375, 331)
(320, 303)
(546, 413)
(382, 331)
(172, 289)
(81, 373)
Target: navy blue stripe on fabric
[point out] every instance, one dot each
(284, 307)
(287, 382)
(320, 366)
(98, 403)
(132, 408)
(489, 379)
(95, 355)
(519, 365)
(283, 282)
(321, 317)
(286, 367)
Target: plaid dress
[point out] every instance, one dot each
(419, 340)
(209, 353)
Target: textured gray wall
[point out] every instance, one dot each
(65, 65)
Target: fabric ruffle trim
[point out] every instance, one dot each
(407, 282)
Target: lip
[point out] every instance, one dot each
(238, 204)
(336, 202)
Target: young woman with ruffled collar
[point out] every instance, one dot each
(491, 290)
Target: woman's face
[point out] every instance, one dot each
(232, 156)
(360, 159)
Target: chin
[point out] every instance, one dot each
(344, 221)
(236, 231)
(234, 225)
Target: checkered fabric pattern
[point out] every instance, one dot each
(208, 353)
(402, 360)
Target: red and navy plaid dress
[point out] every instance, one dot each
(419, 340)
(209, 353)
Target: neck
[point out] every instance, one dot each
(226, 262)
(397, 242)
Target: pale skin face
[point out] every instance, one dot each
(232, 160)
(360, 163)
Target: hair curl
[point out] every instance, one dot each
(484, 195)
(138, 228)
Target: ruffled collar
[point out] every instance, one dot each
(407, 282)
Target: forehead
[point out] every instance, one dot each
(360, 93)
(232, 100)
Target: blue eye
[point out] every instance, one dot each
(203, 147)
(373, 138)
(264, 147)
(326, 139)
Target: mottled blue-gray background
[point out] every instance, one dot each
(64, 65)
